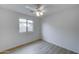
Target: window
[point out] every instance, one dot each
(30, 25)
(25, 25)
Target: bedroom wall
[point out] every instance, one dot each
(61, 28)
(9, 29)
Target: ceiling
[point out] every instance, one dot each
(18, 8)
(21, 8)
(50, 8)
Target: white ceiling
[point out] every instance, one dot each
(50, 8)
(18, 8)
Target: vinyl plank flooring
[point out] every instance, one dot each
(41, 47)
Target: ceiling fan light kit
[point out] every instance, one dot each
(39, 13)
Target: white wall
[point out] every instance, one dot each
(9, 29)
(62, 28)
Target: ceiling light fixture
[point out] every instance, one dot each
(39, 13)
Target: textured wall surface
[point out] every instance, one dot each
(62, 28)
(9, 29)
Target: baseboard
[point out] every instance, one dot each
(16, 47)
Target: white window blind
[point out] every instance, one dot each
(25, 25)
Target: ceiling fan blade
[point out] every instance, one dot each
(41, 8)
(31, 9)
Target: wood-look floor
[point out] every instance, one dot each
(41, 47)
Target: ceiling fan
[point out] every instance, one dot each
(38, 11)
